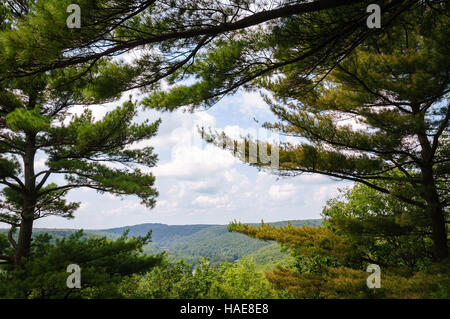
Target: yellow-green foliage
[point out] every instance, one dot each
(307, 241)
(344, 282)
(329, 265)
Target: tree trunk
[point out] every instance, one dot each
(439, 232)
(29, 203)
(437, 216)
(24, 241)
(435, 208)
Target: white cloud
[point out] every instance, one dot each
(250, 103)
(189, 162)
(178, 129)
(40, 164)
(324, 193)
(216, 202)
(200, 183)
(282, 192)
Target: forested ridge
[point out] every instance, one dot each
(192, 242)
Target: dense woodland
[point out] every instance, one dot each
(193, 242)
(366, 105)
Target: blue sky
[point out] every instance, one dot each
(201, 184)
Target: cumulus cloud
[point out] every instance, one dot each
(325, 192)
(200, 183)
(190, 162)
(250, 103)
(282, 192)
(216, 201)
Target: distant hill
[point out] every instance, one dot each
(160, 232)
(66, 232)
(193, 242)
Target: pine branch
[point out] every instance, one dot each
(7, 258)
(252, 20)
(11, 238)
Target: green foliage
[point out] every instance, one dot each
(171, 281)
(343, 282)
(34, 37)
(100, 154)
(271, 256)
(389, 232)
(378, 117)
(305, 43)
(241, 280)
(104, 264)
(395, 84)
(306, 244)
(361, 227)
(193, 242)
(217, 244)
(27, 120)
(181, 280)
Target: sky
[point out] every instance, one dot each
(199, 183)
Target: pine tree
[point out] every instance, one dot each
(171, 34)
(307, 38)
(36, 120)
(380, 118)
(331, 261)
(393, 83)
(103, 265)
